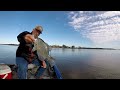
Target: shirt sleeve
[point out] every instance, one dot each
(21, 36)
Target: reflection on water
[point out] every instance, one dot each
(77, 63)
(88, 63)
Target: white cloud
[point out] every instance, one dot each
(98, 26)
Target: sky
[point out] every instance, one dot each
(78, 28)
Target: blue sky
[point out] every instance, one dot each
(79, 28)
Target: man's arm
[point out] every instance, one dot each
(21, 36)
(25, 37)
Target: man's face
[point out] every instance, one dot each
(36, 33)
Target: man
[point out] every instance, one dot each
(25, 53)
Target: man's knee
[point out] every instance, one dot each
(21, 63)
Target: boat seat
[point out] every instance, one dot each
(31, 66)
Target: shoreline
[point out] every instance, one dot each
(10, 44)
(72, 48)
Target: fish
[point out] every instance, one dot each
(43, 50)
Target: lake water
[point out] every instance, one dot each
(77, 63)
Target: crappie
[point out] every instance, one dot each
(43, 51)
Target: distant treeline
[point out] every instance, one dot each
(65, 46)
(79, 47)
(10, 44)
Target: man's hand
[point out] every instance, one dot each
(44, 64)
(29, 38)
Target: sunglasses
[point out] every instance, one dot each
(38, 31)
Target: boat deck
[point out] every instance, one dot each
(48, 74)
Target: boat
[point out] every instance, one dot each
(51, 72)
